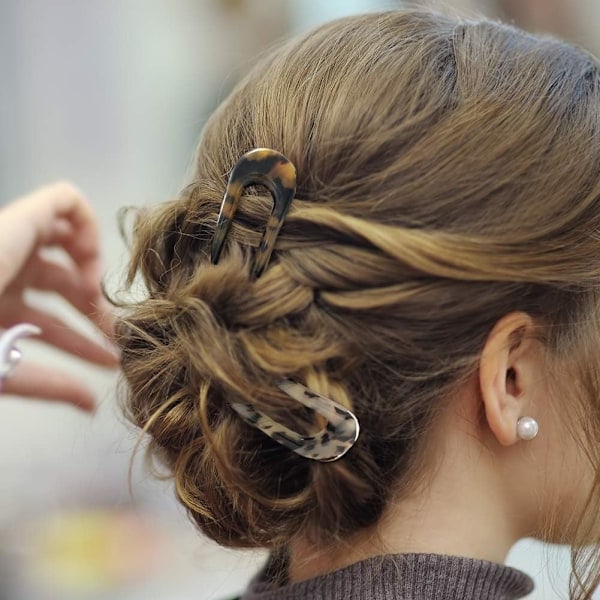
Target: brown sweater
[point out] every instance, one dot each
(403, 577)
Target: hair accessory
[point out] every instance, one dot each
(329, 444)
(527, 428)
(272, 169)
(261, 166)
(9, 355)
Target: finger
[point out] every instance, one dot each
(105, 319)
(83, 241)
(36, 381)
(60, 335)
(47, 275)
(53, 213)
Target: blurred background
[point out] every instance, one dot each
(112, 94)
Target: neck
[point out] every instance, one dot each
(461, 511)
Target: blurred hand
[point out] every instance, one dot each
(53, 216)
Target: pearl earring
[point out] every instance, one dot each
(527, 428)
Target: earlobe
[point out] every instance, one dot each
(505, 380)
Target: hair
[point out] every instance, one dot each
(448, 174)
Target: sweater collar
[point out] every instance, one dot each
(404, 577)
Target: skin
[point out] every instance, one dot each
(54, 216)
(483, 487)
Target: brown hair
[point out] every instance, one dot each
(448, 173)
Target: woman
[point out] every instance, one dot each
(430, 304)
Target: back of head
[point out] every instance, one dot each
(448, 173)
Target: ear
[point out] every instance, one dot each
(508, 372)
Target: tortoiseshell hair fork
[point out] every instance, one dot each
(330, 443)
(261, 166)
(272, 169)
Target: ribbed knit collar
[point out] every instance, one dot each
(404, 577)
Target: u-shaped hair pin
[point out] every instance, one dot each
(332, 442)
(273, 170)
(261, 166)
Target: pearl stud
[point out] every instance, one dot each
(527, 428)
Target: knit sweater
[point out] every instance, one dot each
(403, 577)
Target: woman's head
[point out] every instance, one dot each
(448, 177)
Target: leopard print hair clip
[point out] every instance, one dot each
(270, 168)
(332, 442)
